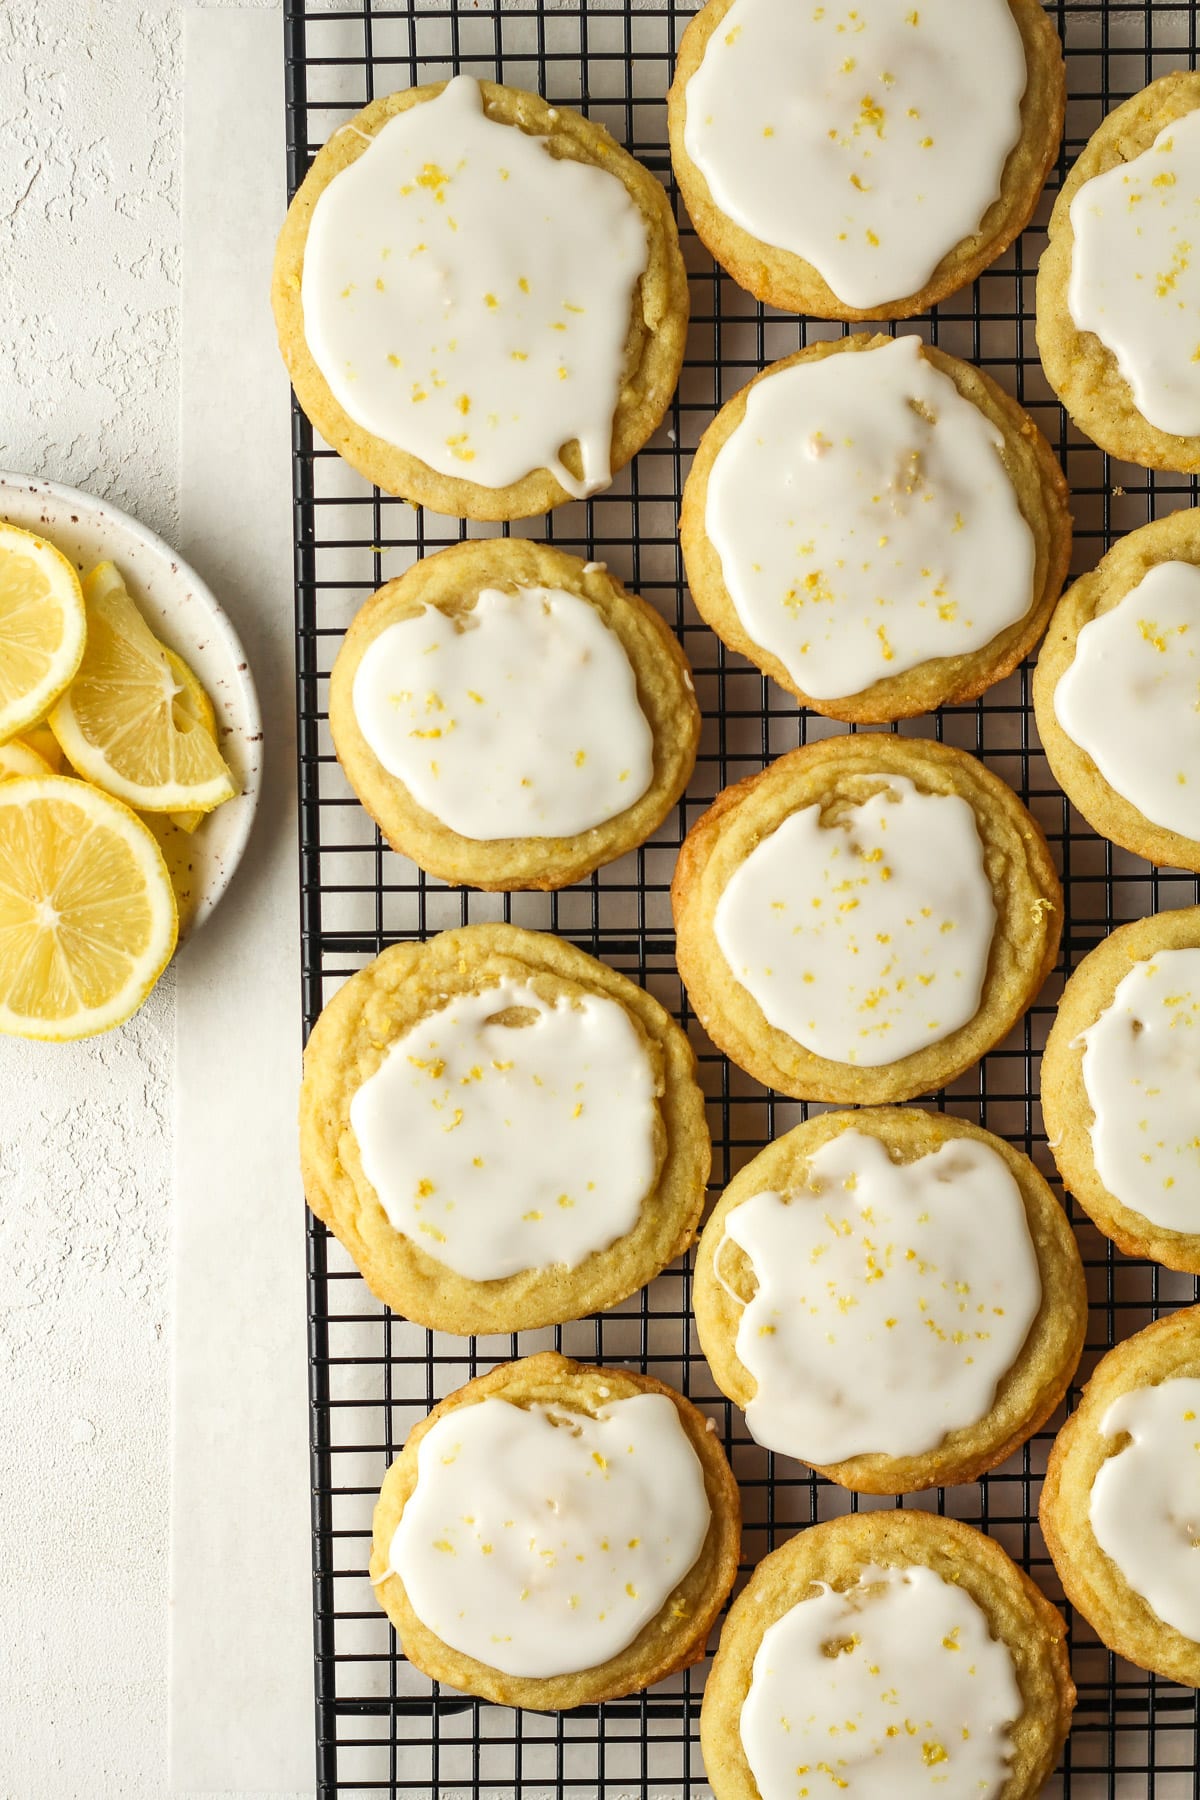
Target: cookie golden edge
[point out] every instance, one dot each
(1042, 495)
(1030, 1390)
(1175, 538)
(1025, 886)
(1066, 1110)
(836, 1553)
(654, 347)
(349, 1041)
(1093, 1584)
(451, 580)
(678, 1635)
(783, 279)
(1082, 371)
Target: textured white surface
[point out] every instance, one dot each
(89, 215)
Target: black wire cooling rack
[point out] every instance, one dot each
(381, 1728)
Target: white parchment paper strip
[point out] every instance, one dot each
(241, 1717)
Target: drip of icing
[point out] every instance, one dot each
(541, 1541)
(1129, 696)
(499, 1146)
(467, 295)
(892, 1688)
(1135, 272)
(891, 1298)
(1145, 1501)
(1141, 1070)
(869, 141)
(519, 719)
(865, 522)
(867, 938)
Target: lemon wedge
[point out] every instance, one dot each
(179, 853)
(194, 703)
(42, 627)
(87, 913)
(128, 722)
(20, 758)
(191, 697)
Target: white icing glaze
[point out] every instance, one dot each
(892, 1298)
(1135, 274)
(865, 522)
(1129, 696)
(467, 295)
(867, 938)
(1141, 1070)
(501, 1146)
(869, 140)
(891, 1689)
(540, 1541)
(519, 719)
(1145, 1501)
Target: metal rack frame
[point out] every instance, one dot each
(381, 1728)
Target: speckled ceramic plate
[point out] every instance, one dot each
(185, 614)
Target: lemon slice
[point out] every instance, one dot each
(19, 758)
(42, 627)
(87, 912)
(127, 722)
(43, 740)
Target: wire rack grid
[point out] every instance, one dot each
(381, 1728)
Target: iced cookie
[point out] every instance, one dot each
(878, 526)
(554, 1535)
(1119, 1506)
(892, 1296)
(1115, 692)
(865, 918)
(511, 717)
(503, 1132)
(1121, 1087)
(480, 299)
(887, 1654)
(864, 162)
(1118, 288)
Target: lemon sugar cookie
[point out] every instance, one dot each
(554, 1535)
(480, 299)
(865, 918)
(502, 1131)
(876, 525)
(864, 163)
(892, 1296)
(1118, 288)
(1121, 1087)
(511, 717)
(887, 1654)
(1114, 692)
(1119, 1503)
